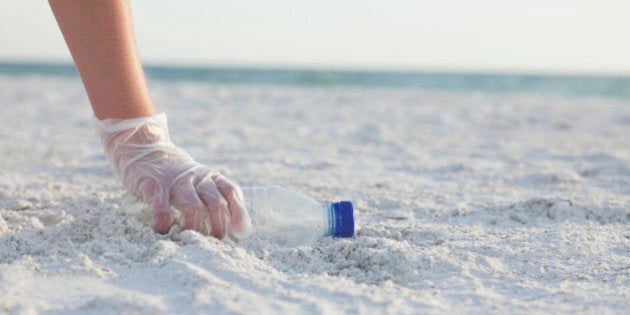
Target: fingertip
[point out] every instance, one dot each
(241, 229)
(241, 223)
(162, 218)
(161, 226)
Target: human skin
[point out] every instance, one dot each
(100, 37)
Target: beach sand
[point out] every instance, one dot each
(464, 202)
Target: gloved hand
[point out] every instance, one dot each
(161, 174)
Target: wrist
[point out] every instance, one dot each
(110, 125)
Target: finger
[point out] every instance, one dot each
(240, 224)
(216, 206)
(162, 216)
(185, 199)
(157, 198)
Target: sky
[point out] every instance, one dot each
(540, 36)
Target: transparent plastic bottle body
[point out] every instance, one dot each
(289, 218)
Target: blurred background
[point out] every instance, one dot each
(566, 46)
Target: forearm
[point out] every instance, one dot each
(100, 37)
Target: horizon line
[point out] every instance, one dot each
(342, 68)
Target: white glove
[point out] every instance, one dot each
(161, 174)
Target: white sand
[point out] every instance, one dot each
(466, 203)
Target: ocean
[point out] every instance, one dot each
(565, 85)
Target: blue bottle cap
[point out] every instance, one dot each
(343, 219)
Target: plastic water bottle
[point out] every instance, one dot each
(289, 218)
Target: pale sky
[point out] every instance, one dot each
(551, 36)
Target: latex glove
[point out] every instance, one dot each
(162, 174)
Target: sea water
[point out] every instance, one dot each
(565, 85)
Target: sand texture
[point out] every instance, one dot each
(465, 202)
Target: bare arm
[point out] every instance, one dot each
(100, 37)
